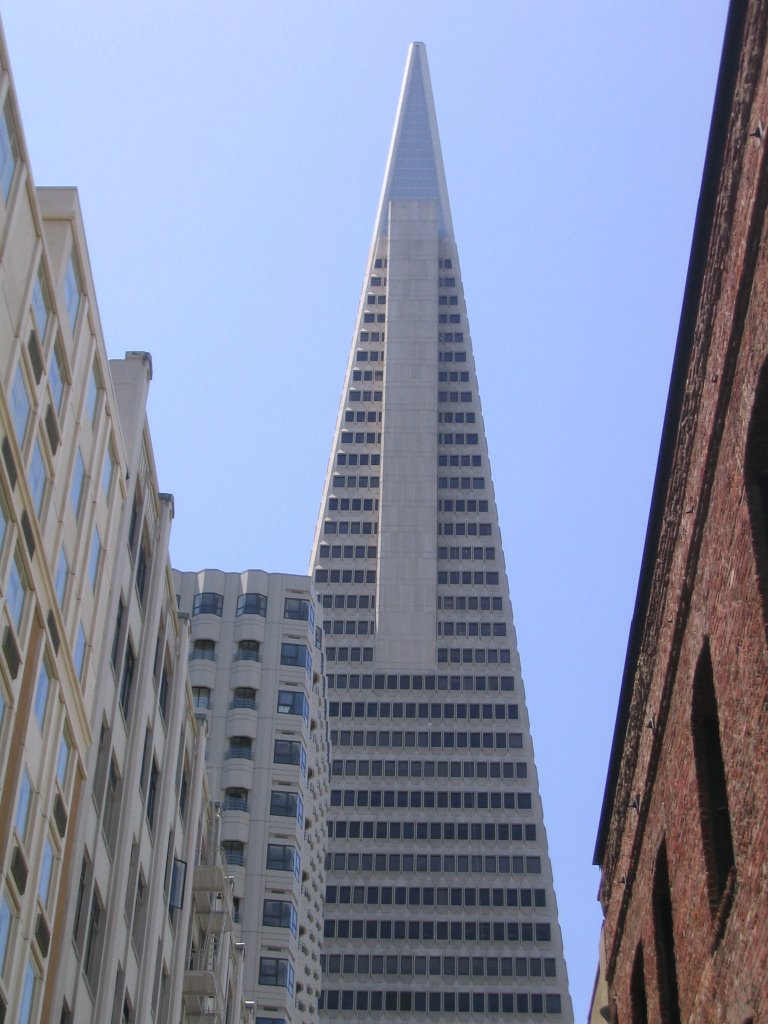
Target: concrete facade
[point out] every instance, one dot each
(256, 671)
(683, 832)
(440, 897)
(103, 796)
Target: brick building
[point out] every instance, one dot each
(683, 833)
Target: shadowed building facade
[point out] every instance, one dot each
(683, 832)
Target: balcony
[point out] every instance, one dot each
(242, 722)
(237, 773)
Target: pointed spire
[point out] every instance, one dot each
(415, 163)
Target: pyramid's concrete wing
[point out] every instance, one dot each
(440, 897)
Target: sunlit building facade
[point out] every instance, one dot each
(104, 845)
(439, 895)
(256, 671)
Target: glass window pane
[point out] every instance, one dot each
(41, 692)
(22, 809)
(9, 149)
(20, 405)
(37, 478)
(78, 483)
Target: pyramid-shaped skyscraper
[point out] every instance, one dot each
(439, 894)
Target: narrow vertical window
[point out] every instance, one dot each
(38, 478)
(28, 994)
(78, 483)
(126, 684)
(16, 592)
(666, 965)
(56, 378)
(637, 995)
(6, 919)
(78, 656)
(94, 558)
(9, 149)
(107, 471)
(20, 405)
(41, 692)
(714, 813)
(62, 761)
(41, 303)
(72, 289)
(62, 577)
(46, 873)
(22, 809)
(92, 397)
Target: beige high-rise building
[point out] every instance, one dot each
(110, 879)
(440, 898)
(256, 671)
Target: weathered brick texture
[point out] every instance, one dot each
(702, 586)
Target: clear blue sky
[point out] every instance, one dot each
(229, 159)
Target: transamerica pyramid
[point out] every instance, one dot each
(439, 897)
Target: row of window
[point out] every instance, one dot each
(416, 799)
(353, 504)
(451, 337)
(466, 553)
(367, 375)
(428, 740)
(435, 863)
(346, 575)
(460, 483)
(210, 603)
(374, 318)
(451, 529)
(459, 460)
(433, 896)
(379, 681)
(471, 629)
(355, 481)
(372, 336)
(205, 650)
(453, 377)
(476, 578)
(447, 300)
(348, 601)
(347, 551)
(456, 417)
(373, 300)
(360, 437)
(440, 966)
(352, 459)
(451, 357)
(430, 769)
(361, 416)
(356, 395)
(462, 505)
(360, 1000)
(434, 831)
(454, 439)
(333, 654)
(439, 931)
(424, 710)
(477, 656)
(348, 627)
(363, 356)
(449, 318)
(454, 396)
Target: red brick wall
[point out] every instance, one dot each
(705, 589)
